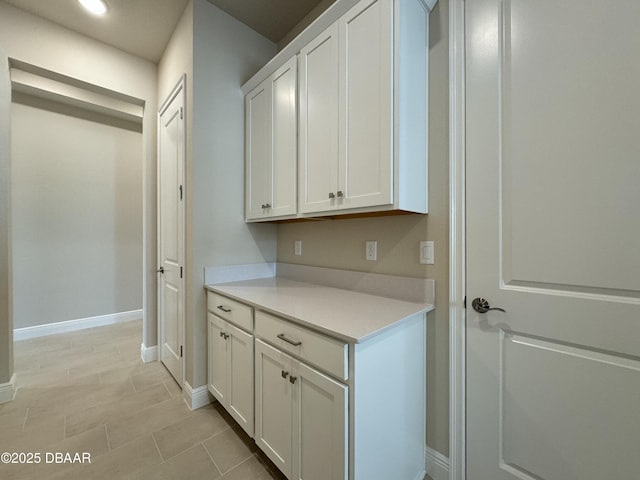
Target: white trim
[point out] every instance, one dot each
(235, 273)
(195, 397)
(73, 325)
(437, 464)
(457, 261)
(148, 354)
(8, 390)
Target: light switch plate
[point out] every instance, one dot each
(426, 252)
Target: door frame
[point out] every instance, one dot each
(457, 242)
(181, 86)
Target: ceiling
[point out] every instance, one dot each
(143, 27)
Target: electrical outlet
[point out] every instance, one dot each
(371, 250)
(298, 247)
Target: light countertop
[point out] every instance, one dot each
(343, 314)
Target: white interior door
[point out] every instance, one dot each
(171, 158)
(553, 237)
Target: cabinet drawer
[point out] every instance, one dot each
(231, 310)
(327, 353)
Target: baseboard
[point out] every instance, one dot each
(195, 397)
(437, 464)
(148, 354)
(8, 390)
(72, 325)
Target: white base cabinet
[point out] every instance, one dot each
(301, 417)
(324, 408)
(231, 370)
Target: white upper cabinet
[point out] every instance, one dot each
(319, 126)
(366, 101)
(363, 110)
(270, 145)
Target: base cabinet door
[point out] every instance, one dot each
(301, 417)
(230, 368)
(240, 377)
(273, 405)
(320, 426)
(217, 358)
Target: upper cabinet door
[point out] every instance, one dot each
(270, 149)
(366, 105)
(285, 133)
(319, 124)
(258, 150)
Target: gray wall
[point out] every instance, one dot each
(63, 51)
(226, 53)
(77, 217)
(340, 243)
(218, 54)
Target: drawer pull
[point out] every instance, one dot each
(295, 343)
(223, 308)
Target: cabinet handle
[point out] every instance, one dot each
(295, 343)
(332, 195)
(222, 334)
(292, 379)
(284, 374)
(223, 308)
(340, 194)
(266, 205)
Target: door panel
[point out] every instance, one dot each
(240, 360)
(318, 147)
(553, 238)
(273, 405)
(258, 149)
(171, 232)
(217, 358)
(285, 134)
(366, 156)
(591, 395)
(320, 421)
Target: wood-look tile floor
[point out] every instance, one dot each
(87, 392)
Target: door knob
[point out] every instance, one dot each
(480, 305)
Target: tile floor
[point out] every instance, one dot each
(88, 391)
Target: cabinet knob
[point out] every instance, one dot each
(284, 374)
(340, 194)
(222, 334)
(292, 379)
(332, 195)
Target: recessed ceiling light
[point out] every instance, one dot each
(97, 7)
